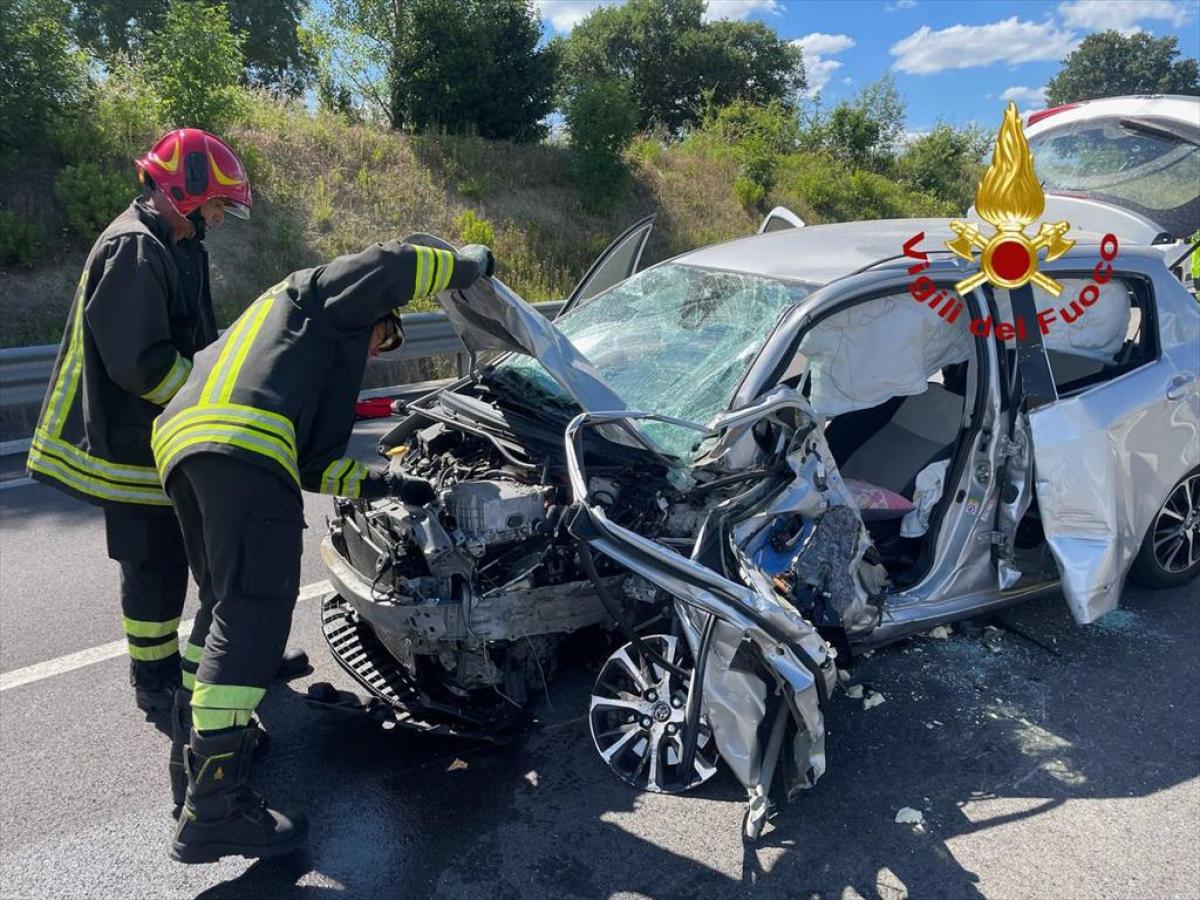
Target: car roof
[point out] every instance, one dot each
(819, 254)
(1185, 110)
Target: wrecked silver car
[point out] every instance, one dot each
(754, 461)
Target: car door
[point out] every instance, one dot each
(619, 260)
(1108, 444)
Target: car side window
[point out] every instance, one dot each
(1092, 344)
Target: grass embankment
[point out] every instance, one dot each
(324, 187)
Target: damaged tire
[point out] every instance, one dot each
(1170, 552)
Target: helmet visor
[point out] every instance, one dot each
(233, 208)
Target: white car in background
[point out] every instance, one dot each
(1128, 165)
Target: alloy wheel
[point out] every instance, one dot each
(638, 720)
(1177, 528)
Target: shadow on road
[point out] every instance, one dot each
(979, 732)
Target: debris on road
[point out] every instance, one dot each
(873, 699)
(941, 632)
(854, 691)
(909, 816)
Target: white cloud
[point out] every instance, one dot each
(965, 46)
(900, 4)
(740, 9)
(1121, 15)
(1026, 96)
(563, 15)
(816, 47)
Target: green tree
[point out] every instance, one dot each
(273, 52)
(353, 42)
(864, 132)
(946, 163)
(39, 72)
(602, 117)
(1108, 64)
(463, 65)
(675, 62)
(194, 63)
(473, 66)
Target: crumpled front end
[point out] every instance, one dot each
(770, 561)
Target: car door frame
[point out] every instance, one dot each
(960, 580)
(598, 278)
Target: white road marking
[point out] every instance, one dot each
(70, 662)
(15, 482)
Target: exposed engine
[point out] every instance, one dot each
(473, 594)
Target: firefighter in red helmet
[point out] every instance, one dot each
(142, 310)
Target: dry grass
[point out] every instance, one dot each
(324, 187)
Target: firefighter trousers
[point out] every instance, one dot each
(147, 545)
(243, 529)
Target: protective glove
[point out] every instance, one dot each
(481, 256)
(409, 489)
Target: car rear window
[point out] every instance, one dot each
(1133, 162)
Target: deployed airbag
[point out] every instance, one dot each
(885, 348)
(1097, 334)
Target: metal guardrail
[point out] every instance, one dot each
(25, 371)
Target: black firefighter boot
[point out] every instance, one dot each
(181, 730)
(221, 815)
(154, 685)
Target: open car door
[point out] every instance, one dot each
(780, 219)
(619, 260)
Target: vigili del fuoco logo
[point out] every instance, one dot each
(1010, 198)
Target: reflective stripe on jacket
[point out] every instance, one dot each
(278, 389)
(126, 350)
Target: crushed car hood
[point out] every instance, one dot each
(490, 316)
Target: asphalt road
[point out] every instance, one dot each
(1048, 761)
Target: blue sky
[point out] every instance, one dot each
(953, 61)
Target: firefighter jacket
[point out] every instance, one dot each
(278, 389)
(127, 348)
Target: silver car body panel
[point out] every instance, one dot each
(489, 316)
(1107, 458)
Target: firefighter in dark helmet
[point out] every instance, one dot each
(266, 412)
(142, 310)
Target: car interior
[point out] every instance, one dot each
(889, 445)
(882, 444)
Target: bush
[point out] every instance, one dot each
(116, 121)
(40, 73)
(20, 240)
(748, 191)
(757, 136)
(91, 196)
(838, 194)
(474, 230)
(946, 163)
(195, 63)
(602, 118)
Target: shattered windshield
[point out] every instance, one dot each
(674, 340)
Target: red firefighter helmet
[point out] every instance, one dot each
(192, 166)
